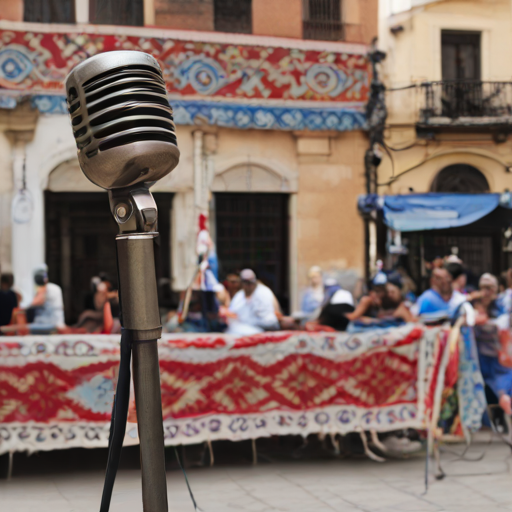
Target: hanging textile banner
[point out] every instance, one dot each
(57, 391)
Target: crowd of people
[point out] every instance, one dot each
(45, 313)
(243, 305)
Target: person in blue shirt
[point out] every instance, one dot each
(489, 316)
(440, 300)
(314, 295)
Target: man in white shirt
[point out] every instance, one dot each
(252, 307)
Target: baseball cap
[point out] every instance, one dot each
(248, 275)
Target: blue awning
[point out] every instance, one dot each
(420, 212)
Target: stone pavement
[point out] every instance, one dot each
(346, 485)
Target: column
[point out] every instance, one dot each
(27, 220)
(184, 232)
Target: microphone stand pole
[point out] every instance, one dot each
(135, 211)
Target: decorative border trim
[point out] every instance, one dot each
(189, 35)
(33, 437)
(230, 115)
(264, 117)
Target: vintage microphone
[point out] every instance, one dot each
(126, 140)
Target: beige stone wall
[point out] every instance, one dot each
(11, 10)
(414, 53)
(329, 176)
(6, 194)
(184, 14)
(361, 20)
(277, 18)
(322, 172)
(417, 167)
(413, 57)
(282, 18)
(329, 230)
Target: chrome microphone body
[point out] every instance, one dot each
(126, 140)
(121, 119)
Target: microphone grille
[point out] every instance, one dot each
(122, 105)
(121, 119)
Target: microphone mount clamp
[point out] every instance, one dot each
(134, 209)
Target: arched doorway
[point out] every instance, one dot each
(461, 178)
(477, 244)
(80, 235)
(252, 224)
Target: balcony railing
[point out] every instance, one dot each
(465, 100)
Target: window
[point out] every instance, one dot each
(322, 20)
(233, 16)
(460, 178)
(252, 232)
(116, 12)
(460, 55)
(462, 92)
(49, 11)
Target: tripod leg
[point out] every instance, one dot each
(118, 421)
(148, 402)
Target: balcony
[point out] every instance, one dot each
(466, 105)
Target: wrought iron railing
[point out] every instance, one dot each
(466, 98)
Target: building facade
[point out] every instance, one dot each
(449, 101)
(270, 122)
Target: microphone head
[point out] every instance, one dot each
(121, 119)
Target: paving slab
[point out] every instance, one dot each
(347, 485)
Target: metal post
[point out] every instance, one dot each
(146, 379)
(135, 211)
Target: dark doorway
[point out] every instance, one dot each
(479, 245)
(460, 178)
(80, 243)
(253, 232)
(460, 55)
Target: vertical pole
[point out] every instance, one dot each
(293, 254)
(372, 250)
(136, 214)
(148, 401)
(366, 248)
(198, 163)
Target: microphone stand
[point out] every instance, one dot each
(135, 211)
